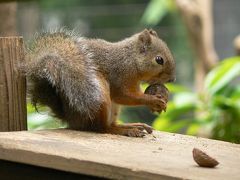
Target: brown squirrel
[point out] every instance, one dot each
(84, 80)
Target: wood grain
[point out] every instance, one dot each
(12, 85)
(168, 156)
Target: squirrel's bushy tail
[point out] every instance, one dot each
(42, 71)
(57, 71)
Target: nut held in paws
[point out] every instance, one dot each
(158, 89)
(203, 160)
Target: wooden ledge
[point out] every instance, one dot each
(167, 156)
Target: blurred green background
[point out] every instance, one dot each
(212, 113)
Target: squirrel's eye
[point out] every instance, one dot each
(159, 60)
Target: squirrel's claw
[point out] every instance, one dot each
(139, 126)
(135, 132)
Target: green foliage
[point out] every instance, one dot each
(41, 120)
(156, 10)
(223, 74)
(216, 109)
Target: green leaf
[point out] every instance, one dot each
(161, 123)
(185, 98)
(225, 103)
(174, 112)
(193, 129)
(177, 126)
(30, 108)
(222, 74)
(155, 11)
(236, 93)
(174, 88)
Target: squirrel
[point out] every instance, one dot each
(84, 80)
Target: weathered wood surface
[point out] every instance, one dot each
(12, 85)
(167, 156)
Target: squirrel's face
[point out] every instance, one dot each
(155, 61)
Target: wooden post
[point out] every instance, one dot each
(13, 116)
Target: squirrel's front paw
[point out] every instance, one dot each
(157, 103)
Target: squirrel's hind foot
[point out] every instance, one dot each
(131, 129)
(135, 132)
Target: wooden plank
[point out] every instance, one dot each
(12, 85)
(167, 156)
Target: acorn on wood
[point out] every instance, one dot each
(203, 160)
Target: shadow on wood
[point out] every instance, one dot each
(11, 170)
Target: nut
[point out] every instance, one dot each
(203, 160)
(158, 89)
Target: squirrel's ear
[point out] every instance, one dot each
(152, 32)
(144, 37)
